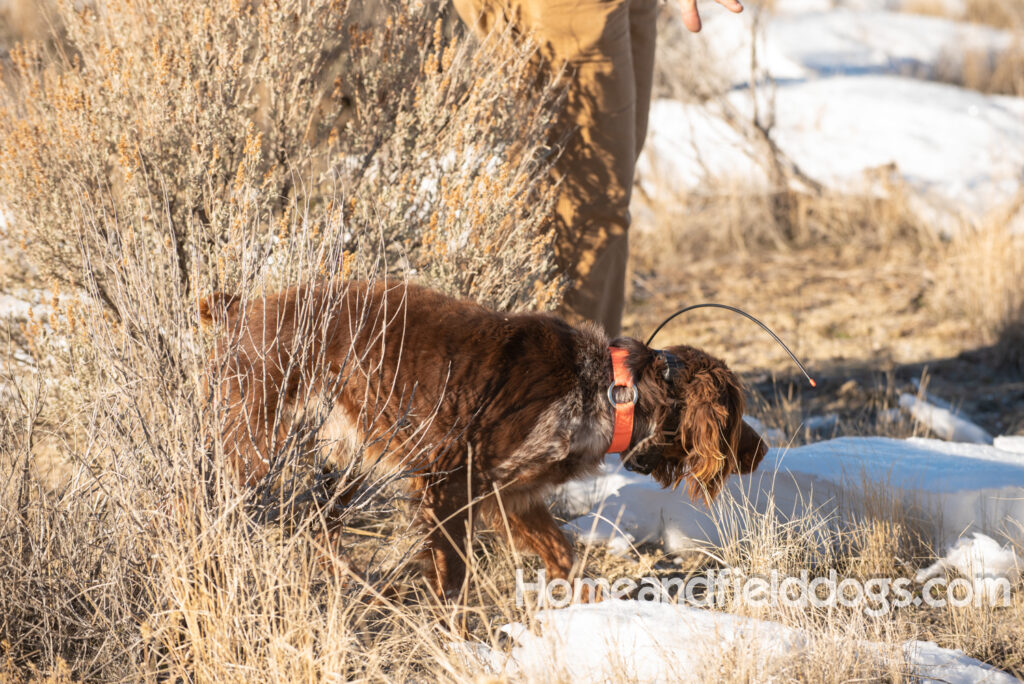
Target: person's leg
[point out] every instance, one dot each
(596, 165)
(598, 288)
(599, 127)
(643, 33)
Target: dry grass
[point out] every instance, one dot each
(998, 13)
(999, 72)
(855, 410)
(987, 70)
(726, 218)
(873, 534)
(949, 9)
(1006, 14)
(122, 572)
(986, 270)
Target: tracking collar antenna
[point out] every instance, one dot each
(744, 314)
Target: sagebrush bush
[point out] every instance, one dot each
(173, 126)
(173, 149)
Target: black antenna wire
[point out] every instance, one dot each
(743, 313)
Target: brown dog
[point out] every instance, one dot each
(490, 411)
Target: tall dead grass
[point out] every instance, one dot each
(726, 217)
(1005, 14)
(998, 13)
(873, 532)
(1000, 73)
(984, 282)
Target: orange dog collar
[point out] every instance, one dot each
(622, 435)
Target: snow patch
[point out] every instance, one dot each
(850, 101)
(957, 488)
(829, 421)
(961, 153)
(12, 306)
(1012, 443)
(944, 422)
(980, 559)
(802, 42)
(605, 528)
(650, 642)
(23, 303)
(771, 436)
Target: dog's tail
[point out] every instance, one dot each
(219, 307)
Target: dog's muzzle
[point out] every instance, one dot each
(644, 463)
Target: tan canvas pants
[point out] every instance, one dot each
(608, 46)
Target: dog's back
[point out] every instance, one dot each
(387, 354)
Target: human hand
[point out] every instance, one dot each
(691, 19)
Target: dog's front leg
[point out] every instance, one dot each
(536, 530)
(445, 515)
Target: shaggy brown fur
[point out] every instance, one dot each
(511, 405)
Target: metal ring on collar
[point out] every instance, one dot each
(611, 395)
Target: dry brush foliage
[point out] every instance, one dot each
(175, 149)
(187, 124)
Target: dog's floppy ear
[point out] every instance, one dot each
(710, 429)
(220, 307)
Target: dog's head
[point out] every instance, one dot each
(694, 414)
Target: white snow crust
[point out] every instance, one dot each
(956, 488)
(659, 642)
(982, 560)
